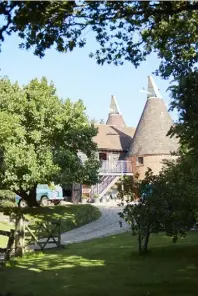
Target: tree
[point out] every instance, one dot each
(40, 138)
(168, 203)
(143, 216)
(94, 121)
(125, 30)
(185, 100)
(127, 187)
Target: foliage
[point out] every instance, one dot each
(124, 30)
(84, 197)
(127, 187)
(96, 195)
(40, 138)
(169, 270)
(7, 195)
(168, 202)
(96, 122)
(185, 100)
(7, 199)
(7, 204)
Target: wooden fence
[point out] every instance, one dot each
(50, 230)
(8, 250)
(27, 236)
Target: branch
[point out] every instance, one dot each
(9, 21)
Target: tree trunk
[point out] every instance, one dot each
(146, 240)
(139, 242)
(133, 230)
(31, 200)
(175, 238)
(29, 197)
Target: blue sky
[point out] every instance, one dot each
(76, 76)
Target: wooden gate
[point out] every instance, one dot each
(10, 245)
(43, 234)
(26, 235)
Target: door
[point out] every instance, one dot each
(76, 193)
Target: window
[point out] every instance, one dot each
(42, 187)
(102, 156)
(140, 161)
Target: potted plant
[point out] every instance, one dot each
(96, 198)
(84, 199)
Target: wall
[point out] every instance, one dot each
(155, 162)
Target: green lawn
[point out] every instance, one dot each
(108, 266)
(4, 239)
(71, 216)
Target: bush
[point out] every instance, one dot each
(86, 215)
(7, 195)
(96, 195)
(84, 197)
(7, 204)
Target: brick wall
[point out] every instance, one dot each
(155, 162)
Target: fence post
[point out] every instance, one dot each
(20, 236)
(59, 233)
(10, 245)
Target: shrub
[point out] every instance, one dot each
(86, 215)
(7, 204)
(84, 197)
(7, 195)
(96, 195)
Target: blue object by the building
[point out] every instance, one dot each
(43, 190)
(147, 192)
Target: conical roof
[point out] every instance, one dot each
(115, 118)
(155, 122)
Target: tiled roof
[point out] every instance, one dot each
(151, 133)
(115, 117)
(111, 137)
(116, 120)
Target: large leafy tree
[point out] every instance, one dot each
(41, 137)
(168, 203)
(124, 30)
(185, 100)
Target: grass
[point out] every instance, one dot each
(71, 216)
(108, 266)
(4, 239)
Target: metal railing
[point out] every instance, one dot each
(119, 167)
(104, 183)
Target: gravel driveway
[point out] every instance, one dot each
(106, 225)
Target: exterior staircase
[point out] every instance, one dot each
(110, 172)
(105, 184)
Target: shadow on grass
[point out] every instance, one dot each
(109, 266)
